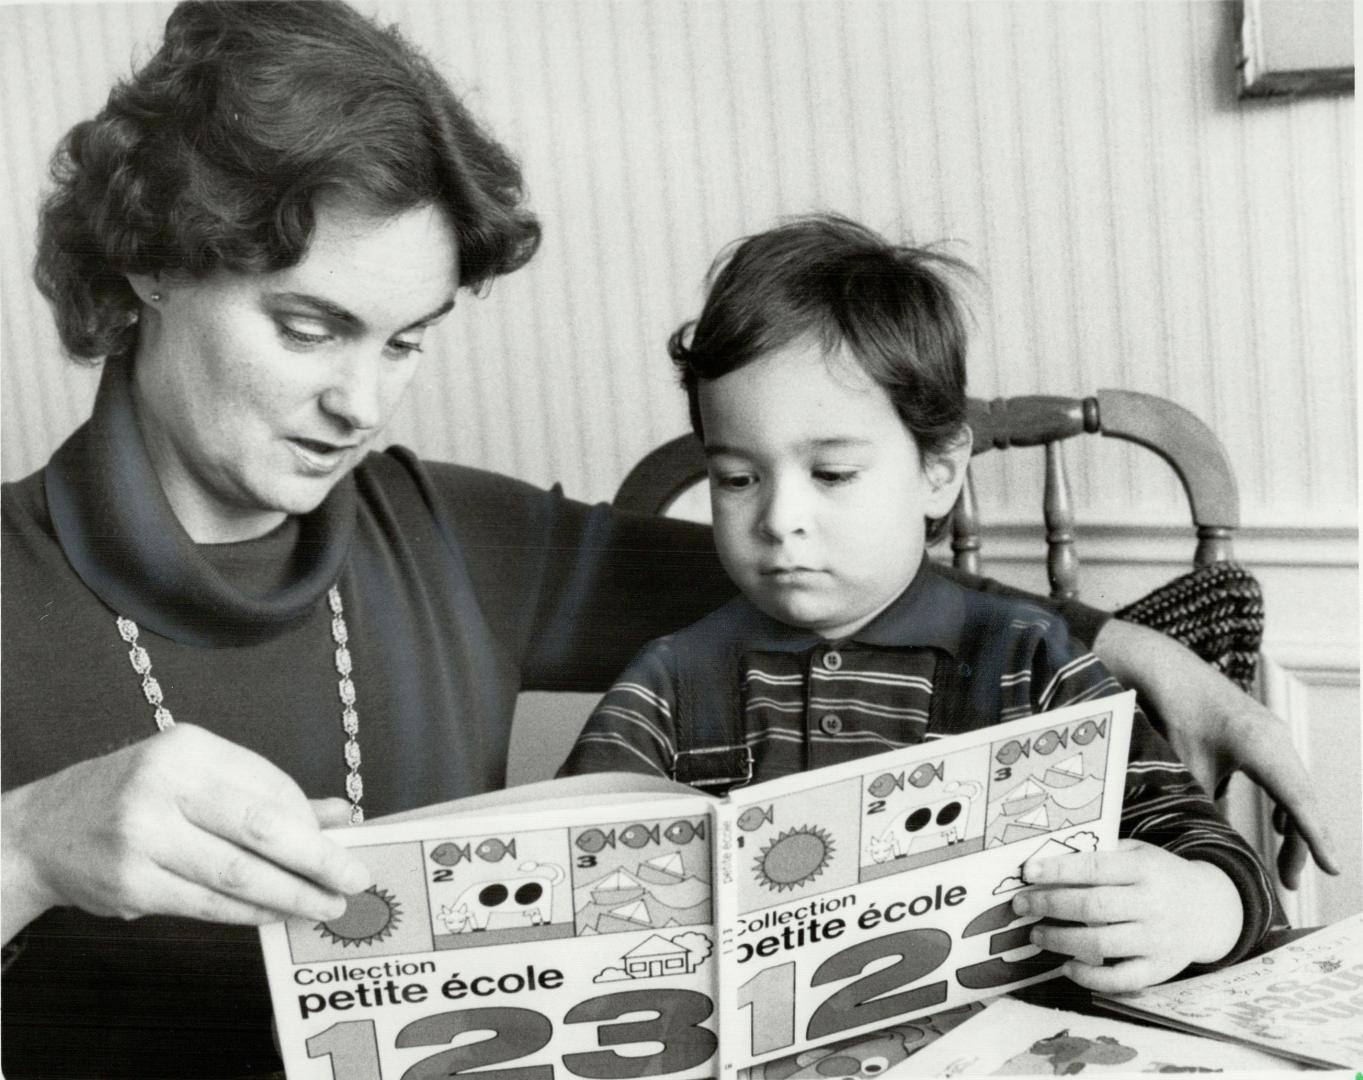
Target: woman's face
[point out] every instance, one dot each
(256, 393)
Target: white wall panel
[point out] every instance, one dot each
(1134, 224)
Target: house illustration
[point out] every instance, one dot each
(658, 956)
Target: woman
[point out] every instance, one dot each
(256, 232)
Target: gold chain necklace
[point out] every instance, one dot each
(350, 719)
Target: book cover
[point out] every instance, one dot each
(607, 927)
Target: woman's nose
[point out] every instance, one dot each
(354, 394)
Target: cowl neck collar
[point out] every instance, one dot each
(119, 532)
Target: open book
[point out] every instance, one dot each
(607, 927)
(1014, 1038)
(1303, 1001)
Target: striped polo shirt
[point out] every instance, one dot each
(940, 660)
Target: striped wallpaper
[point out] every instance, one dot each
(1134, 224)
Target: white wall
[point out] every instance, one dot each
(1135, 226)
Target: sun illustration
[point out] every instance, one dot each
(795, 857)
(369, 916)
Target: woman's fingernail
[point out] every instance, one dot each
(329, 909)
(1022, 905)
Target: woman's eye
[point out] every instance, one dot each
(306, 334)
(834, 477)
(404, 347)
(734, 481)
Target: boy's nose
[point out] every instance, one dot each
(782, 513)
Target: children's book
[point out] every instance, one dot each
(612, 926)
(1014, 1038)
(1302, 1001)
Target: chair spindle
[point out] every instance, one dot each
(1214, 545)
(965, 529)
(1062, 564)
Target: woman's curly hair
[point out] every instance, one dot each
(213, 156)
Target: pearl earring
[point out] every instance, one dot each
(156, 298)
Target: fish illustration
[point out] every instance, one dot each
(753, 816)
(1086, 732)
(922, 776)
(449, 854)
(636, 836)
(593, 840)
(1014, 750)
(885, 783)
(1046, 743)
(494, 850)
(683, 832)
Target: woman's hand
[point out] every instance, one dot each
(1151, 910)
(182, 823)
(1216, 728)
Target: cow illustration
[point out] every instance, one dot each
(524, 896)
(938, 823)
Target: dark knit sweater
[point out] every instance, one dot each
(461, 588)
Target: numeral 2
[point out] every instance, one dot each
(920, 951)
(515, 1033)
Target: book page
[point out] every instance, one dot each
(594, 789)
(863, 893)
(575, 941)
(1303, 1000)
(1013, 1038)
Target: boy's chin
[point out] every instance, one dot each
(807, 617)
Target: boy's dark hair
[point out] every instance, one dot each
(215, 153)
(828, 278)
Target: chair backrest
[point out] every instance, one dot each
(1169, 430)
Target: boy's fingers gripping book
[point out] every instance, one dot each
(576, 929)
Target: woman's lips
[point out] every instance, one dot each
(317, 457)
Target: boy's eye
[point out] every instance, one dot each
(833, 477)
(733, 481)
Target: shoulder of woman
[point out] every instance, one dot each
(397, 467)
(23, 499)
(27, 523)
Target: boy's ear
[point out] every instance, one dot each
(146, 286)
(946, 473)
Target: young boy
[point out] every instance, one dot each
(826, 379)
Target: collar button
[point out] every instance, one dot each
(832, 660)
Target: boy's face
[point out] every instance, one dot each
(819, 494)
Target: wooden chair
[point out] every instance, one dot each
(1216, 610)
(1171, 431)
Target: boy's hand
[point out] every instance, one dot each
(1151, 911)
